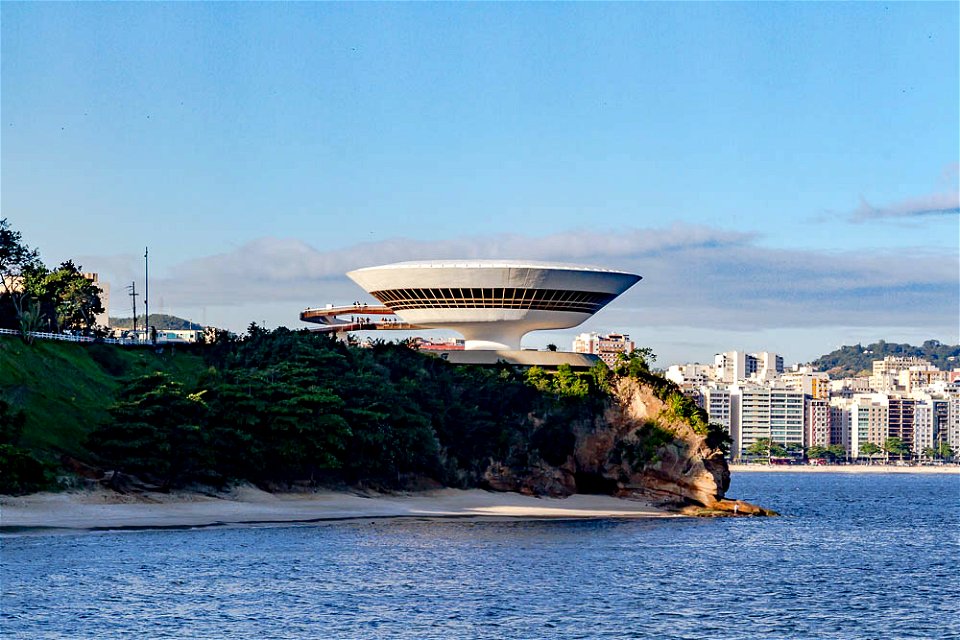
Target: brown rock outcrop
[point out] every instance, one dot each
(637, 448)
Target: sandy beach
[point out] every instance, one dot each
(840, 468)
(247, 505)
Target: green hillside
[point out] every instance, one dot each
(158, 320)
(64, 388)
(850, 360)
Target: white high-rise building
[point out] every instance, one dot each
(750, 418)
(930, 424)
(868, 421)
(732, 366)
(762, 412)
(768, 365)
(736, 366)
(953, 422)
(787, 416)
(716, 401)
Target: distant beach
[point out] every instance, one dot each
(841, 468)
(98, 510)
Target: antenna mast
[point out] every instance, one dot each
(133, 296)
(146, 293)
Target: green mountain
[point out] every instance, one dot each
(158, 320)
(852, 360)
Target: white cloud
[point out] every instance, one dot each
(941, 203)
(934, 204)
(693, 276)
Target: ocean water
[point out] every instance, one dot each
(870, 556)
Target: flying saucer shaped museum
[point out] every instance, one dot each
(493, 303)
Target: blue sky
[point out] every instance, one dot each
(783, 175)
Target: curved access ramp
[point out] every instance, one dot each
(355, 317)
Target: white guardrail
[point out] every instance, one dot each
(43, 335)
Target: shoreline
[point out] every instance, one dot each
(842, 468)
(103, 510)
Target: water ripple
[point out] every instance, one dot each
(855, 557)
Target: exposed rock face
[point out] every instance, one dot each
(634, 449)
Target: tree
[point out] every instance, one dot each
(551, 347)
(20, 471)
(777, 450)
(944, 451)
(895, 447)
(836, 452)
(156, 430)
(16, 259)
(760, 448)
(67, 298)
(636, 363)
(870, 449)
(816, 451)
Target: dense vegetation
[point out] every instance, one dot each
(34, 297)
(284, 408)
(852, 360)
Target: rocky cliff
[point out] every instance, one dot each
(638, 448)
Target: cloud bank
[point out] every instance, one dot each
(941, 203)
(694, 276)
(935, 204)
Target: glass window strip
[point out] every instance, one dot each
(506, 298)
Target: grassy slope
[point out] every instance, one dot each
(65, 388)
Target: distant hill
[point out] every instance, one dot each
(849, 361)
(158, 320)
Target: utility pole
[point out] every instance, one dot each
(146, 293)
(133, 296)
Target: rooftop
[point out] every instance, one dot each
(491, 264)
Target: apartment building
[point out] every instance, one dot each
(840, 421)
(953, 420)
(815, 384)
(886, 372)
(717, 402)
(690, 374)
(818, 423)
(735, 366)
(930, 423)
(608, 346)
(900, 418)
(868, 421)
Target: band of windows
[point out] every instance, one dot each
(494, 298)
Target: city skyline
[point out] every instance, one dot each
(783, 176)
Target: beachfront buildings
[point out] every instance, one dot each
(916, 403)
(818, 423)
